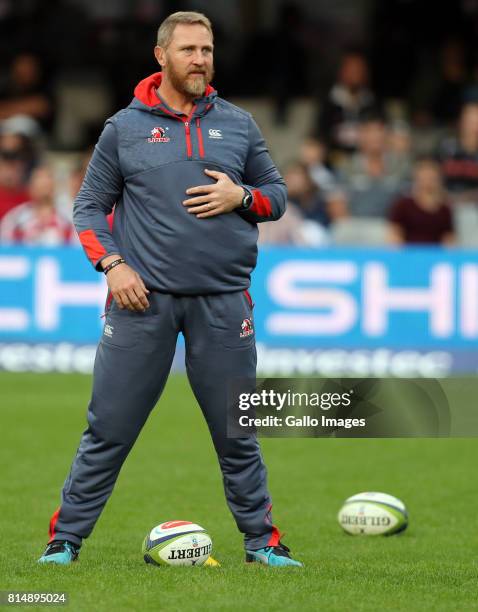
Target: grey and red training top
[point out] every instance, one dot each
(145, 159)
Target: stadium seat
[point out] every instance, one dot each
(363, 231)
(465, 217)
(82, 101)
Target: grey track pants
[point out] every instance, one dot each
(131, 368)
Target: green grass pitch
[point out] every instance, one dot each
(172, 474)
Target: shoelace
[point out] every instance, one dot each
(58, 546)
(280, 549)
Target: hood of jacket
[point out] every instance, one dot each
(146, 98)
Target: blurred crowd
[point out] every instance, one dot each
(36, 200)
(359, 178)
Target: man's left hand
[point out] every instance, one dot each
(215, 199)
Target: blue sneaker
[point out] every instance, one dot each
(60, 552)
(277, 556)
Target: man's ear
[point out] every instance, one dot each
(160, 56)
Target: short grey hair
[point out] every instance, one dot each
(166, 29)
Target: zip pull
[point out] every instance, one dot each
(189, 146)
(200, 140)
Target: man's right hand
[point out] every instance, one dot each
(126, 286)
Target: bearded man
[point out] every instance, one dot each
(189, 177)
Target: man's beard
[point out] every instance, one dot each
(191, 86)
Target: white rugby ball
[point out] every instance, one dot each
(177, 543)
(373, 513)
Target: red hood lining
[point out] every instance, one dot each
(145, 90)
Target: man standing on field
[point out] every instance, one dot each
(190, 177)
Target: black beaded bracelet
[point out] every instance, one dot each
(113, 264)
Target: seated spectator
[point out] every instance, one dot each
(15, 164)
(346, 104)
(293, 229)
(449, 95)
(305, 194)
(37, 222)
(400, 146)
(313, 153)
(20, 134)
(78, 173)
(71, 184)
(424, 216)
(25, 92)
(373, 177)
(459, 158)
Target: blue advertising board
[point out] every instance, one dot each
(49, 295)
(426, 297)
(367, 311)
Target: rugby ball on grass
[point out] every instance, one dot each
(373, 513)
(177, 543)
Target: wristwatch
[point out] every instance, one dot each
(246, 200)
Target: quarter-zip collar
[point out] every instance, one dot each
(146, 98)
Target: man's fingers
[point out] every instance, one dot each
(198, 200)
(128, 289)
(134, 300)
(201, 189)
(210, 213)
(143, 286)
(123, 300)
(214, 173)
(131, 299)
(141, 297)
(127, 301)
(119, 300)
(201, 209)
